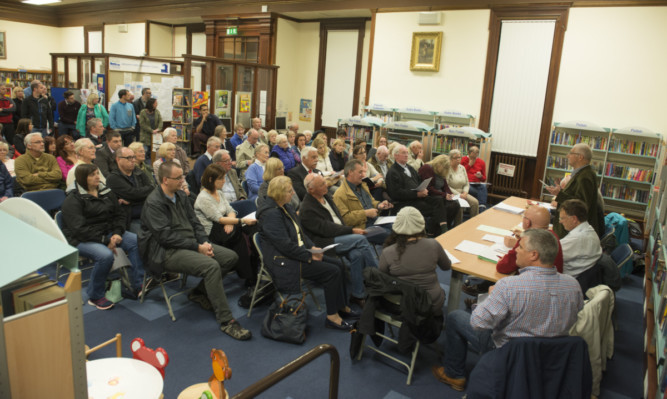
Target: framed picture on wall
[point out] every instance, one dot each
(425, 54)
(3, 45)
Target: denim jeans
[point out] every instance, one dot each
(103, 259)
(66, 128)
(359, 254)
(479, 191)
(43, 131)
(459, 333)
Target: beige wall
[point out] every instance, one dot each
(613, 68)
(199, 44)
(180, 41)
(131, 43)
(161, 41)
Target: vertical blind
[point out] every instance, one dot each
(521, 82)
(340, 71)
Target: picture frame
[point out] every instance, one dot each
(425, 53)
(3, 45)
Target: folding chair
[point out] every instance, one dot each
(161, 280)
(608, 240)
(49, 200)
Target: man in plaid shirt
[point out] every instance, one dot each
(538, 302)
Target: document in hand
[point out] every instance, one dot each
(423, 185)
(321, 250)
(385, 220)
(463, 203)
(250, 216)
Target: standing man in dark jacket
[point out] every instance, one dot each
(173, 240)
(68, 109)
(139, 104)
(37, 108)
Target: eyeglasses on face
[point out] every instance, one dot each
(176, 178)
(130, 158)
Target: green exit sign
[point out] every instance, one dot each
(234, 30)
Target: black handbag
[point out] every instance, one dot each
(286, 320)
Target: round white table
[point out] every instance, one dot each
(124, 378)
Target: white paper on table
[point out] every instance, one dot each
(500, 249)
(494, 230)
(546, 205)
(321, 250)
(250, 216)
(478, 249)
(452, 257)
(493, 238)
(385, 220)
(509, 208)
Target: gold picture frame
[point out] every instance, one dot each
(425, 54)
(3, 45)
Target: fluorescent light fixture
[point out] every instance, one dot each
(41, 2)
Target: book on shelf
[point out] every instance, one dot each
(560, 137)
(629, 173)
(623, 192)
(634, 147)
(178, 99)
(177, 116)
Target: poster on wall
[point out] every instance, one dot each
(305, 110)
(222, 102)
(199, 98)
(244, 103)
(3, 45)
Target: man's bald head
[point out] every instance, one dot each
(536, 217)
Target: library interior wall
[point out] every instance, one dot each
(180, 41)
(613, 68)
(459, 82)
(131, 43)
(160, 41)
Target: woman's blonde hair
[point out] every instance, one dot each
(91, 97)
(273, 165)
(164, 147)
(440, 165)
(137, 145)
(317, 143)
(279, 187)
(271, 133)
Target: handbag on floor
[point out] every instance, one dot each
(286, 320)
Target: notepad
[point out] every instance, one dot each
(478, 249)
(494, 230)
(385, 220)
(321, 250)
(509, 208)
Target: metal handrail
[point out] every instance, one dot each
(296, 364)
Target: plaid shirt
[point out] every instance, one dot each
(538, 302)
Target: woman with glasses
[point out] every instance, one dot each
(167, 152)
(140, 160)
(85, 154)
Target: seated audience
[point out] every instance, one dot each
(581, 245)
(381, 161)
(377, 184)
(96, 132)
(6, 180)
(300, 144)
(150, 122)
(412, 257)
(337, 156)
(285, 248)
(167, 153)
(36, 170)
(94, 223)
(323, 161)
(6, 157)
(171, 136)
(232, 189)
(539, 302)
(457, 179)
(437, 169)
(85, 154)
(256, 170)
(341, 134)
(274, 167)
(476, 170)
(92, 110)
(382, 141)
(391, 147)
(309, 137)
(105, 158)
(65, 155)
(356, 205)
(140, 161)
(324, 224)
(416, 155)
(293, 127)
(213, 144)
(245, 152)
(402, 179)
(130, 185)
(291, 138)
(237, 138)
(287, 155)
(173, 240)
(50, 145)
(272, 138)
(23, 128)
(204, 128)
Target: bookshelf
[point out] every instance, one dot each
(367, 128)
(461, 138)
(23, 77)
(181, 117)
(406, 132)
(384, 113)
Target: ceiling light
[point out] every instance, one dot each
(40, 2)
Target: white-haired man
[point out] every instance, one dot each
(36, 170)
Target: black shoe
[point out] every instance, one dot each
(358, 301)
(202, 300)
(246, 298)
(343, 326)
(349, 315)
(474, 290)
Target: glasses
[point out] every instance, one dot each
(226, 160)
(130, 158)
(575, 153)
(37, 141)
(176, 178)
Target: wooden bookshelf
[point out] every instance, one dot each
(182, 116)
(23, 77)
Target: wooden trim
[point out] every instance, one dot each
(322, 20)
(283, 16)
(357, 71)
(560, 15)
(371, 45)
(226, 61)
(188, 40)
(147, 41)
(161, 23)
(322, 61)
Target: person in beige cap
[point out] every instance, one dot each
(411, 256)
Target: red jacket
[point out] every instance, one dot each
(8, 108)
(507, 264)
(477, 166)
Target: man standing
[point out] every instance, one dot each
(36, 170)
(105, 158)
(173, 240)
(139, 104)
(212, 145)
(204, 128)
(245, 152)
(539, 302)
(257, 125)
(581, 246)
(36, 107)
(7, 110)
(131, 185)
(122, 117)
(68, 109)
(582, 186)
(402, 180)
(476, 169)
(232, 189)
(323, 223)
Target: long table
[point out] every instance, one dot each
(471, 264)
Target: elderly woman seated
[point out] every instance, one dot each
(167, 152)
(255, 171)
(274, 167)
(286, 249)
(437, 169)
(140, 160)
(285, 153)
(94, 223)
(457, 179)
(171, 136)
(85, 154)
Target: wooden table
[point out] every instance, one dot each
(471, 264)
(123, 377)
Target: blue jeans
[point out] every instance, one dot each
(43, 131)
(479, 191)
(359, 254)
(68, 129)
(103, 260)
(459, 333)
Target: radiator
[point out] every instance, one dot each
(506, 186)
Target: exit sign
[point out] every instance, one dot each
(234, 30)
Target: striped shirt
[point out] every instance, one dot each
(538, 302)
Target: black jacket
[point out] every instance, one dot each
(38, 110)
(279, 242)
(318, 223)
(87, 218)
(297, 174)
(337, 161)
(156, 235)
(399, 185)
(133, 192)
(105, 160)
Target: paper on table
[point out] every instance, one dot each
(542, 204)
(494, 230)
(423, 185)
(493, 238)
(321, 250)
(251, 216)
(385, 220)
(452, 257)
(509, 208)
(478, 249)
(463, 203)
(500, 248)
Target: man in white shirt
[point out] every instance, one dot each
(581, 246)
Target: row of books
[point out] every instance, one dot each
(634, 147)
(183, 132)
(30, 292)
(358, 132)
(181, 100)
(570, 138)
(181, 116)
(626, 172)
(386, 118)
(624, 192)
(440, 126)
(445, 144)
(560, 162)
